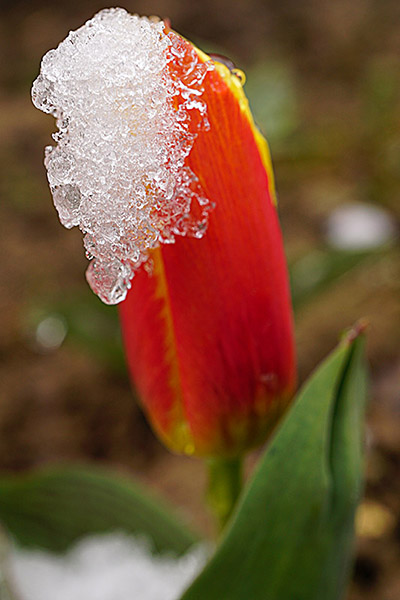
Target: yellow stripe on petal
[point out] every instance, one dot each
(178, 437)
(236, 86)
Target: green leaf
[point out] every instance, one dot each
(6, 591)
(313, 274)
(52, 509)
(291, 536)
(275, 111)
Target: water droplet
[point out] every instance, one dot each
(240, 75)
(223, 60)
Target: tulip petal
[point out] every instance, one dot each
(208, 334)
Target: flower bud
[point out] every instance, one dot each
(159, 163)
(208, 331)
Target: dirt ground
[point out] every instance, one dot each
(323, 79)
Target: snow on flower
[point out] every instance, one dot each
(126, 124)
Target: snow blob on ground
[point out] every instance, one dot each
(106, 567)
(359, 226)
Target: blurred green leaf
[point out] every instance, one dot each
(6, 591)
(54, 508)
(271, 90)
(381, 93)
(88, 320)
(291, 536)
(312, 274)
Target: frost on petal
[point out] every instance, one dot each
(127, 97)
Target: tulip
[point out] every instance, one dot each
(159, 163)
(208, 329)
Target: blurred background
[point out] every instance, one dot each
(323, 79)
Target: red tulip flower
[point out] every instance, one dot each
(159, 163)
(208, 333)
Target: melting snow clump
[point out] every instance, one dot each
(127, 97)
(107, 567)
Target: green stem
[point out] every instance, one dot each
(224, 486)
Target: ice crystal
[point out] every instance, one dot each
(127, 97)
(107, 567)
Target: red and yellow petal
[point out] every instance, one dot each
(208, 333)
